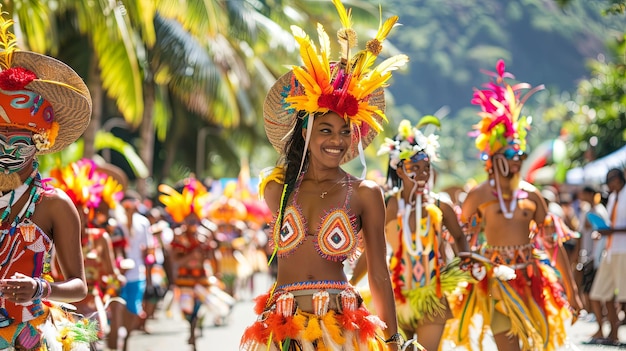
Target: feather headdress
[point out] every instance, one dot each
(193, 198)
(350, 86)
(501, 105)
(85, 185)
(410, 140)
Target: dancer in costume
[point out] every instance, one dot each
(233, 269)
(530, 310)
(318, 117)
(93, 193)
(416, 219)
(45, 106)
(190, 248)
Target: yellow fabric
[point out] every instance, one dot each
(276, 174)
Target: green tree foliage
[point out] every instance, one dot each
(594, 116)
(449, 42)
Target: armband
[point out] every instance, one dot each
(269, 174)
(470, 223)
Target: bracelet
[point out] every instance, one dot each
(38, 290)
(48, 288)
(43, 289)
(395, 339)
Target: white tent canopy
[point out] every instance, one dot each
(595, 172)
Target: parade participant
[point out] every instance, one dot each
(416, 218)
(590, 252)
(93, 193)
(189, 249)
(233, 269)
(318, 117)
(532, 308)
(132, 241)
(609, 285)
(162, 235)
(45, 106)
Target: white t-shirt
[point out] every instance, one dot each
(593, 248)
(139, 238)
(619, 238)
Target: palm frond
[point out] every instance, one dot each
(141, 13)
(106, 140)
(184, 65)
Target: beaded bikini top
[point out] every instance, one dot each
(337, 235)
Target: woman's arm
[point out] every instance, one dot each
(66, 231)
(373, 226)
(452, 223)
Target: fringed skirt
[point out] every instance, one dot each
(533, 301)
(339, 321)
(419, 305)
(54, 330)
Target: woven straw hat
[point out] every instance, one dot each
(61, 86)
(279, 119)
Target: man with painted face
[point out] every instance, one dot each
(527, 310)
(44, 107)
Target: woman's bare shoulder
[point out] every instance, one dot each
(369, 195)
(55, 200)
(366, 185)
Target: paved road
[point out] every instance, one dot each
(171, 333)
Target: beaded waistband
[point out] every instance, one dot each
(314, 285)
(305, 292)
(518, 255)
(509, 247)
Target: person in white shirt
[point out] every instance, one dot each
(590, 251)
(609, 285)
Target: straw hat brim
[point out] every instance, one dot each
(60, 85)
(279, 119)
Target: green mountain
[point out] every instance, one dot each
(449, 42)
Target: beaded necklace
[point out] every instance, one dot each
(507, 213)
(29, 207)
(413, 247)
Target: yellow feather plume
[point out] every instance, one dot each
(345, 16)
(319, 78)
(365, 58)
(192, 199)
(8, 43)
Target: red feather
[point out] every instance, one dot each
(260, 303)
(16, 78)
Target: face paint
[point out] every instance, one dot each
(417, 171)
(16, 150)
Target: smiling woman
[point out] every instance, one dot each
(318, 117)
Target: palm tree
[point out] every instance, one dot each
(165, 63)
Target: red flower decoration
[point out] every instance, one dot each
(16, 78)
(338, 101)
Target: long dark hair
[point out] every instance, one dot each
(293, 154)
(393, 180)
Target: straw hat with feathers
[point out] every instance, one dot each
(351, 87)
(40, 94)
